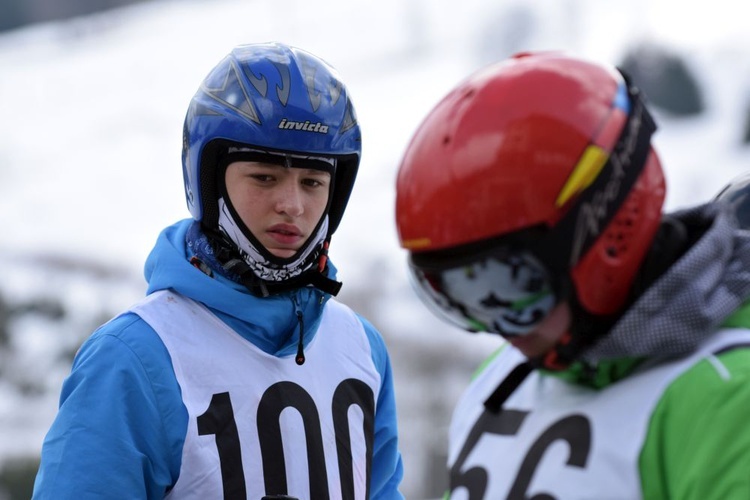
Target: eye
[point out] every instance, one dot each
(262, 178)
(314, 182)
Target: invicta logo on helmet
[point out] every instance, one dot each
(306, 126)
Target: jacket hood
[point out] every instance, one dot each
(691, 300)
(270, 322)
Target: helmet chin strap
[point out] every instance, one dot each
(242, 256)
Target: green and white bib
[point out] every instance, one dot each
(558, 440)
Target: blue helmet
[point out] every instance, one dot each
(286, 105)
(272, 97)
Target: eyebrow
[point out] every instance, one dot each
(276, 166)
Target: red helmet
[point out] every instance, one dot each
(542, 152)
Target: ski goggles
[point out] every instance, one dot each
(508, 293)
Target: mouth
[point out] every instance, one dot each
(285, 233)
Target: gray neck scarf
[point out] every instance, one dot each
(691, 300)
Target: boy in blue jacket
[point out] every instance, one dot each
(239, 376)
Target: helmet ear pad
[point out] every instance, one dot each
(210, 182)
(604, 275)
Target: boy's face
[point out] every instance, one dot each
(281, 206)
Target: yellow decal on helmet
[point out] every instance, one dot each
(416, 243)
(584, 173)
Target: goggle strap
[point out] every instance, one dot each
(598, 204)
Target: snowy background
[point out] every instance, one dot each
(91, 114)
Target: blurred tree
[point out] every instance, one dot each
(746, 130)
(12, 14)
(665, 78)
(18, 13)
(17, 478)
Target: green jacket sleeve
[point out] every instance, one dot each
(698, 443)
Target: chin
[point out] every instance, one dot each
(283, 253)
(529, 346)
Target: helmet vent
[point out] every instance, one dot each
(622, 230)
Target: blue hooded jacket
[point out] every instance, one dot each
(121, 424)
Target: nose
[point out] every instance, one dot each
(289, 199)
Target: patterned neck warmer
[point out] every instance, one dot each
(263, 265)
